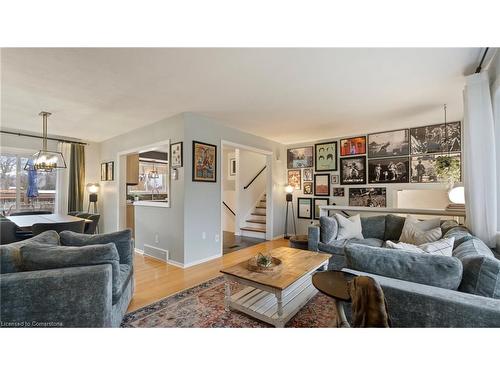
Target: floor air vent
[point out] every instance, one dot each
(156, 252)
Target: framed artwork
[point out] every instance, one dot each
(436, 138)
(294, 179)
(367, 197)
(391, 143)
(388, 170)
(110, 171)
(338, 192)
(308, 174)
(176, 155)
(308, 188)
(335, 179)
(304, 208)
(353, 170)
(322, 184)
(301, 157)
(326, 156)
(204, 162)
(423, 168)
(104, 171)
(353, 146)
(317, 203)
(232, 167)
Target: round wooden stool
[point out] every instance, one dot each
(299, 242)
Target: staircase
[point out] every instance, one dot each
(255, 222)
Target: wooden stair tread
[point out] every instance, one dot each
(250, 229)
(256, 221)
(258, 214)
(260, 206)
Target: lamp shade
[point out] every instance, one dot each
(93, 187)
(289, 189)
(457, 195)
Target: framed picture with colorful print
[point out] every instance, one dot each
(353, 146)
(301, 157)
(204, 162)
(308, 188)
(317, 203)
(304, 206)
(325, 155)
(322, 184)
(295, 178)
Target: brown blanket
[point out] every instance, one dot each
(369, 307)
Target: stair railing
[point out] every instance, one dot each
(229, 208)
(253, 179)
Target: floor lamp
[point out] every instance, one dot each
(92, 188)
(289, 200)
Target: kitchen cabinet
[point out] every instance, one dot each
(133, 169)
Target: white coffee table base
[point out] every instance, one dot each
(268, 304)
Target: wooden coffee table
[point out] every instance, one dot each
(277, 296)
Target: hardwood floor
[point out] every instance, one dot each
(155, 280)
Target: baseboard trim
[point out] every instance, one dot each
(138, 251)
(278, 237)
(196, 262)
(175, 263)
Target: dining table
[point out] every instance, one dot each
(25, 222)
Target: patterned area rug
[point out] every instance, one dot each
(203, 307)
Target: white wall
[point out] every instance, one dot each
(228, 190)
(436, 192)
(167, 223)
(249, 164)
(203, 200)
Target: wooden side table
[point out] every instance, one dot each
(335, 284)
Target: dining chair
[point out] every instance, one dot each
(90, 228)
(23, 213)
(7, 232)
(73, 226)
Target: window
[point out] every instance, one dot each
(148, 185)
(15, 194)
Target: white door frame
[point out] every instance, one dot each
(121, 179)
(269, 188)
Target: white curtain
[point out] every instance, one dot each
(61, 206)
(480, 159)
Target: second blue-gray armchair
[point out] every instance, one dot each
(66, 280)
(462, 290)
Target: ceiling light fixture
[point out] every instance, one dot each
(45, 160)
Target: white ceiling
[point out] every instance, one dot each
(288, 95)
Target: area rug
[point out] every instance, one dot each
(203, 307)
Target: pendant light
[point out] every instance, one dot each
(45, 160)
(153, 174)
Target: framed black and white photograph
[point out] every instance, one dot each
(301, 157)
(308, 174)
(294, 179)
(304, 206)
(325, 155)
(308, 188)
(110, 171)
(104, 171)
(232, 167)
(338, 192)
(367, 197)
(436, 138)
(176, 155)
(388, 170)
(335, 179)
(423, 168)
(353, 146)
(317, 203)
(391, 143)
(322, 184)
(353, 170)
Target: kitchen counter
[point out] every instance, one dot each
(164, 204)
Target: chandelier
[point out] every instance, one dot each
(45, 160)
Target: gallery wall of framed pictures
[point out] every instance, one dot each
(337, 168)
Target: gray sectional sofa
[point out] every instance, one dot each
(66, 280)
(421, 290)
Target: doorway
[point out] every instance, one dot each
(245, 195)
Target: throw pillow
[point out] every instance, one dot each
(349, 228)
(412, 224)
(419, 237)
(441, 247)
(328, 229)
